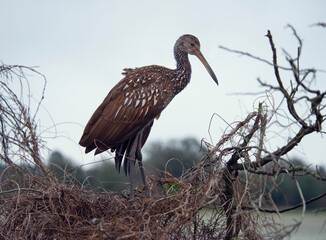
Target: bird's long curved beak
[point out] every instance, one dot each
(205, 63)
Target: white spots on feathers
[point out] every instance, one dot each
(155, 101)
(141, 94)
(125, 102)
(131, 94)
(146, 110)
(143, 102)
(117, 112)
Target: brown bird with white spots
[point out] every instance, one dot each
(124, 120)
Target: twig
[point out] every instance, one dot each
(286, 209)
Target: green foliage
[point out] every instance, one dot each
(263, 109)
(170, 188)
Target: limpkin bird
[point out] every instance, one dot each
(124, 120)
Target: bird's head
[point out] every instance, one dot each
(190, 44)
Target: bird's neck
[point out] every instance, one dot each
(183, 70)
(183, 64)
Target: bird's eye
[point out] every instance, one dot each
(192, 44)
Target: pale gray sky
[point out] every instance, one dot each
(82, 46)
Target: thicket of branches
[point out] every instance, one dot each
(227, 194)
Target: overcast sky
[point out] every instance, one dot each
(82, 46)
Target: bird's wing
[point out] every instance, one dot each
(135, 101)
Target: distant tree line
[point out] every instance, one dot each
(173, 158)
(170, 158)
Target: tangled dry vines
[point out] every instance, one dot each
(225, 195)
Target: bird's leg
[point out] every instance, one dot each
(140, 163)
(132, 183)
(139, 158)
(130, 165)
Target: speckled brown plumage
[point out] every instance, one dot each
(123, 121)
